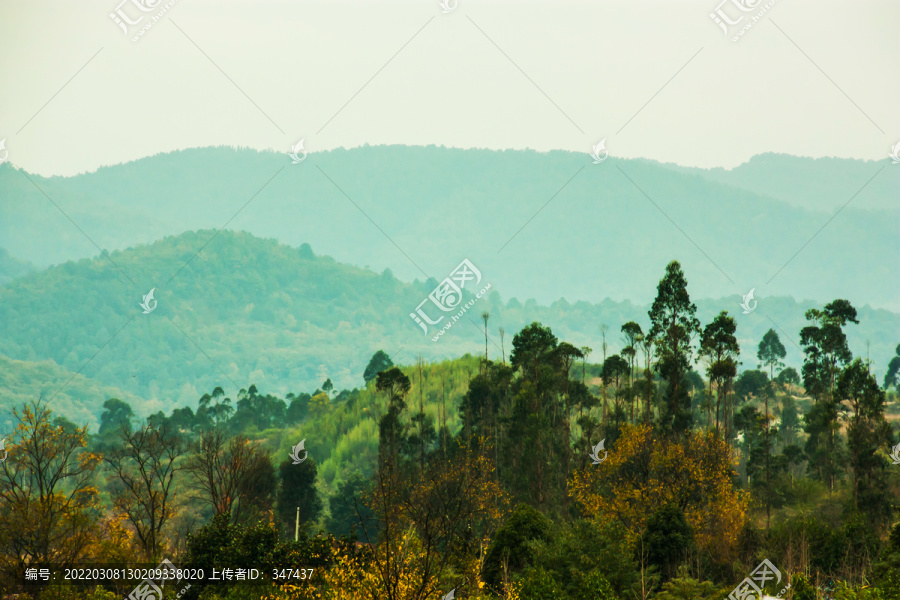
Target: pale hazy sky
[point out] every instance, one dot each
(810, 78)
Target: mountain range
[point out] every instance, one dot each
(538, 225)
(244, 310)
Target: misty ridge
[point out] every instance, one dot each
(274, 313)
(285, 319)
(583, 239)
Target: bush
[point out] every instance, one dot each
(595, 587)
(585, 552)
(668, 538)
(842, 591)
(220, 543)
(801, 588)
(511, 544)
(538, 584)
(686, 588)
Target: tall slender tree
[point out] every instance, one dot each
(868, 430)
(484, 317)
(603, 329)
(391, 430)
(297, 489)
(645, 342)
(631, 332)
(673, 323)
(771, 353)
(615, 368)
(719, 346)
(890, 378)
(585, 351)
(825, 346)
(533, 441)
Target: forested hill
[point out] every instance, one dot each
(11, 267)
(605, 222)
(73, 396)
(819, 184)
(247, 310)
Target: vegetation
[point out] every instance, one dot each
(769, 199)
(252, 311)
(487, 477)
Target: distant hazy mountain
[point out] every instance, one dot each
(539, 225)
(822, 184)
(74, 396)
(249, 310)
(11, 267)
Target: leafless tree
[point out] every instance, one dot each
(227, 470)
(143, 466)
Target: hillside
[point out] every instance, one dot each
(819, 184)
(606, 223)
(342, 436)
(79, 398)
(11, 267)
(253, 311)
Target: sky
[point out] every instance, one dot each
(657, 80)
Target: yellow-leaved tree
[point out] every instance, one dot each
(47, 499)
(356, 576)
(643, 473)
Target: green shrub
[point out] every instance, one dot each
(801, 588)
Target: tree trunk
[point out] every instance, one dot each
(768, 502)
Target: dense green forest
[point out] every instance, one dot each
(251, 311)
(549, 470)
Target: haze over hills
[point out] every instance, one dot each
(11, 267)
(248, 310)
(539, 225)
(72, 395)
(822, 184)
